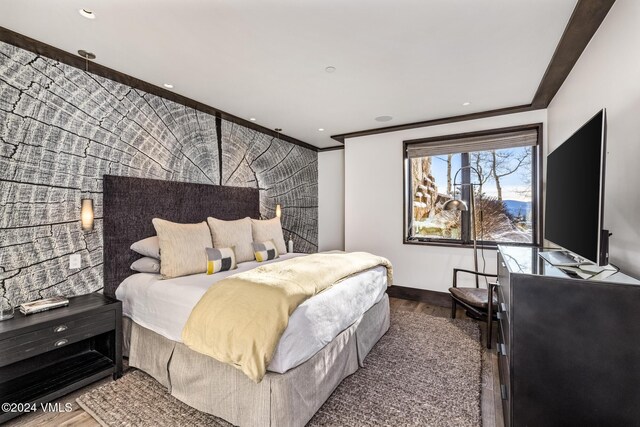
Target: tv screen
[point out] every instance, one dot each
(575, 192)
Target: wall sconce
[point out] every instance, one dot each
(278, 211)
(86, 214)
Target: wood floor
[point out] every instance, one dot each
(490, 394)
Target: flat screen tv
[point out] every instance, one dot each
(574, 209)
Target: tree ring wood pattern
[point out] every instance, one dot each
(62, 129)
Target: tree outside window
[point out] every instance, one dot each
(504, 188)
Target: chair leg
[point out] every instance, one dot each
(489, 332)
(453, 308)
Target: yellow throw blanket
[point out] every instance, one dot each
(240, 319)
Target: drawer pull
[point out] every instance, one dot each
(61, 342)
(503, 391)
(503, 307)
(60, 328)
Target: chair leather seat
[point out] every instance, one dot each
(475, 297)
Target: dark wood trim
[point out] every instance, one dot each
(471, 116)
(440, 299)
(334, 148)
(538, 196)
(76, 61)
(484, 245)
(536, 203)
(487, 132)
(407, 195)
(583, 24)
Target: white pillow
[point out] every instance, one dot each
(147, 247)
(237, 234)
(269, 229)
(182, 247)
(146, 265)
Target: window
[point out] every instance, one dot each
(493, 171)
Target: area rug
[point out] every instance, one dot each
(426, 371)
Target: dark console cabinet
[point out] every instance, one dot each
(46, 355)
(569, 349)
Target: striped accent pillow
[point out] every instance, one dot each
(221, 259)
(265, 251)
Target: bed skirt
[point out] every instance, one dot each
(289, 399)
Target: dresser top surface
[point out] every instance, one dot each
(78, 305)
(526, 260)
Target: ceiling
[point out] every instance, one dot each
(413, 60)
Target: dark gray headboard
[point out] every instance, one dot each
(129, 205)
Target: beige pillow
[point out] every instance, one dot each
(269, 229)
(226, 234)
(147, 247)
(146, 265)
(182, 247)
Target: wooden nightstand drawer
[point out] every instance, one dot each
(503, 335)
(503, 314)
(55, 335)
(46, 355)
(505, 388)
(503, 278)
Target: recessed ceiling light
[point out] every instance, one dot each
(87, 13)
(168, 86)
(320, 130)
(330, 69)
(383, 118)
(253, 119)
(466, 103)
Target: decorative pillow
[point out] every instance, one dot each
(269, 229)
(146, 265)
(147, 247)
(220, 259)
(265, 251)
(236, 234)
(182, 247)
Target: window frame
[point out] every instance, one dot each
(465, 240)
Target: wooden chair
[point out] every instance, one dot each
(475, 300)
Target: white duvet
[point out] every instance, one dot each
(164, 306)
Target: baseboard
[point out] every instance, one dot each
(441, 299)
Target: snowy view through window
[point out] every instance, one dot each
(503, 193)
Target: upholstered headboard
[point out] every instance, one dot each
(129, 205)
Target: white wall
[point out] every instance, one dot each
(608, 75)
(373, 203)
(331, 200)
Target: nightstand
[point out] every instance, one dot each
(46, 355)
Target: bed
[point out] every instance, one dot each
(327, 339)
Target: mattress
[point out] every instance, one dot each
(164, 306)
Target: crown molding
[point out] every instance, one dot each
(43, 49)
